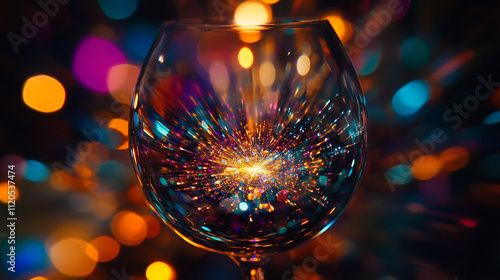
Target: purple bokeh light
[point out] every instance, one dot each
(92, 60)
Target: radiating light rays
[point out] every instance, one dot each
(260, 137)
(231, 159)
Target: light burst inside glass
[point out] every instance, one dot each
(251, 157)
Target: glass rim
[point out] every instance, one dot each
(217, 24)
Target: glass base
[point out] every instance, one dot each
(252, 268)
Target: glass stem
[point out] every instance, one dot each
(252, 268)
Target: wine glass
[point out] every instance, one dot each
(248, 140)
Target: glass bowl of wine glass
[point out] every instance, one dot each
(248, 140)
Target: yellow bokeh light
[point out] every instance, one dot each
(121, 126)
(107, 248)
(160, 271)
(252, 13)
(342, 27)
(303, 65)
(4, 192)
(250, 36)
(44, 94)
(426, 167)
(270, 1)
(267, 73)
(245, 57)
(73, 257)
(38, 278)
(129, 228)
(121, 82)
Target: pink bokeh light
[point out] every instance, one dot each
(92, 60)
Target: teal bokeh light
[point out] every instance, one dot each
(118, 9)
(36, 171)
(493, 118)
(414, 53)
(411, 97)
(371, 61)
(400, 174)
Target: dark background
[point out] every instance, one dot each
(443, 225)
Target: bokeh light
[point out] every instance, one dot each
(448, 67)
(160, 271)
(73, 257)
(31, 256)
(415, 207)
(118, 9)
(121, 126)
(219, 76)
(414, 53)
(303, 65)
(245, 57)
(152, 224)
(107, 248)
(454, 158)
(411, 97)
(121, 82)
(270, 1)
(93, 59)
(369, 60)
(129, 228)
(104, 205)
(44, 93)
(267, 73)
(493, 118)
(426, 167)
(400, 174)
(468, 223)
(454, 191)
(36, 171)
(342, 27)
(114, 173)
(252, 13)
(4, 192)
(250, 36)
